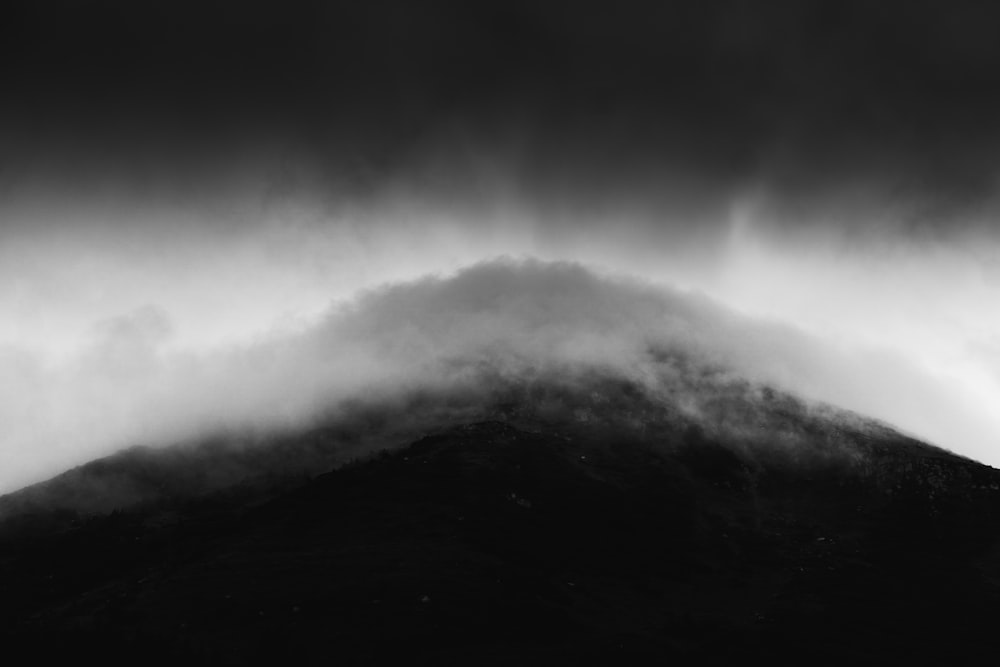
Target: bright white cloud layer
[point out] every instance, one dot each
(223, 334)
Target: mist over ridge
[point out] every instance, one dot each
(484, 327)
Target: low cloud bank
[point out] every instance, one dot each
(502, 320)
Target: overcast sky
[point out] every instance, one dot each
(215, 173)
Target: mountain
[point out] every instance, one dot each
(581, 517)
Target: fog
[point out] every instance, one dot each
(514, 317)
(190, 195)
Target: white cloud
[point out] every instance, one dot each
(513, 317)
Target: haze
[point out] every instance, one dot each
(177, 221)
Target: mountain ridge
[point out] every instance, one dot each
(685, 396)
(491, 543)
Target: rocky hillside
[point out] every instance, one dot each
(502, 542)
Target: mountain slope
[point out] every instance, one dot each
(509, 542)
(680, 398)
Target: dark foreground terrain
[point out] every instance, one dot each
(490, 543)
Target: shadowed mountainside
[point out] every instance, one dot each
(683, 399)
(601, 524)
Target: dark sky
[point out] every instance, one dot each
(813, 97)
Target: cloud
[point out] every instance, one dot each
(504, 319)
(270, 169)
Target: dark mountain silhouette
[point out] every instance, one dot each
(577, 517)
